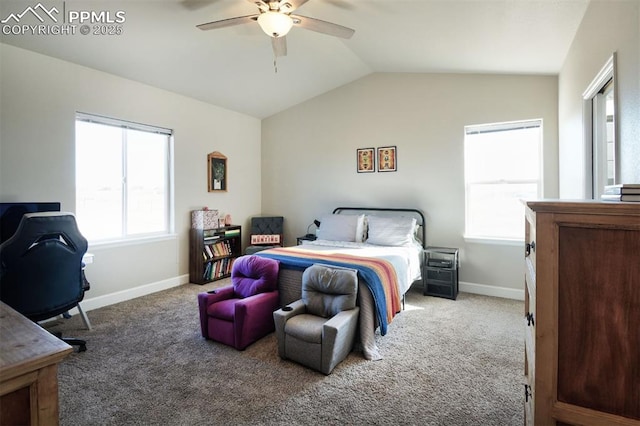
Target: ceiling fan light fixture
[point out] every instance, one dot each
(275, 24)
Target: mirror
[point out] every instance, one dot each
(600, 129)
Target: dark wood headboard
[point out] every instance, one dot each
(378, 211)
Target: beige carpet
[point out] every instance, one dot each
(446, 363)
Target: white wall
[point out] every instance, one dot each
(39, 98)
(607, 27)
(309, 155)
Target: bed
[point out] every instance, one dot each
(385, 246)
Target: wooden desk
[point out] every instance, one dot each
(29, 357)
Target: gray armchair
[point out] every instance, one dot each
(318, 331)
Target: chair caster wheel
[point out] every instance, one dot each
(82, 348)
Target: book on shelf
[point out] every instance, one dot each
(231, 232)
(218, 268)
(219, 249)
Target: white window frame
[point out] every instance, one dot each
(169, 227)
(493, 127)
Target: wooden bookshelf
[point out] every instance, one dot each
(212, 252)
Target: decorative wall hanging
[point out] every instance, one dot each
(217, 172)
(387, 159)
(366, 160)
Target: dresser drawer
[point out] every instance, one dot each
(528, 406)
(530, 237)
(529, 382)
(530, 351)
(530, 278)
(530, 248)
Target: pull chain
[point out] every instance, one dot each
(275, 65)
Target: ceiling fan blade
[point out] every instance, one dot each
(263, 5)
(322, 26)
(228, 22)
(279, 45)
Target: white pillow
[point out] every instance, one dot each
(341, 227)
(391, 231)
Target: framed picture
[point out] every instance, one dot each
(366, 160)
(387, 159)
(217, 172)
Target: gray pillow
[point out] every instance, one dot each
(341, 227)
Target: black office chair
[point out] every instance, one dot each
(41, 273)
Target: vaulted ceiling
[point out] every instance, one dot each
(234, 67)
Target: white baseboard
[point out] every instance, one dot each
(490, 290)
(89, 304)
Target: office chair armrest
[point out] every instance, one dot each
(86, 285)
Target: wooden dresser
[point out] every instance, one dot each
(29, 358)
(582, 313)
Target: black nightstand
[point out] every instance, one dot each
(308, 237)
(441, 272)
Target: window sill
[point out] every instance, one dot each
(131, 241)
(494, 241)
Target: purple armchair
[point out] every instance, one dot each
(241, 313)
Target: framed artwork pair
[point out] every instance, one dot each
(384, 157)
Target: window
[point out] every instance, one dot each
(123, 179)
(501, 168)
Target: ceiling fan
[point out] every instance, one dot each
(276, 20)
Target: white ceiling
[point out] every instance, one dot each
(234, 67)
